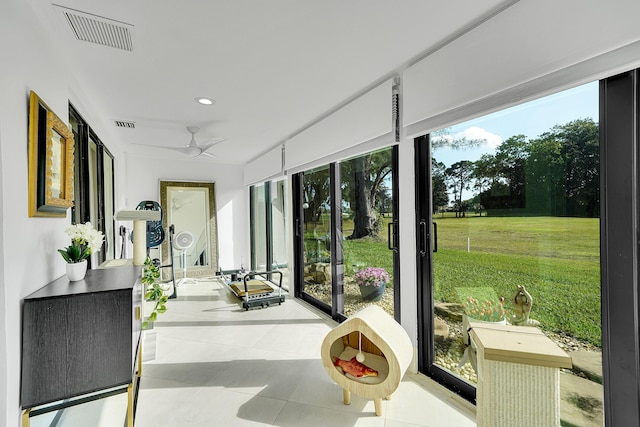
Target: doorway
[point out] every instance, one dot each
(346, 234)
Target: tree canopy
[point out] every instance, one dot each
(554, 174)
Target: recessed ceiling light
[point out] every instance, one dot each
(205, 101)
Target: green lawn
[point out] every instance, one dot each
(556, 259)
(367, 252)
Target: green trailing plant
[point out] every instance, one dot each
(153, 291)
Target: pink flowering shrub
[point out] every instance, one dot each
(372, 276)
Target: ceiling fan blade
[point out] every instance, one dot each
(204, 153)
(211, 143)
(179, 149)
(182, 150)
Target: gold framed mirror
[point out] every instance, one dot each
(190, 207)
(51, 162)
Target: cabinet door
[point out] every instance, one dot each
(99, 330)
(44, 339)
(75, 344)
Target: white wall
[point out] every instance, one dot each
(28, 256)
(141, 181)
(28, 246)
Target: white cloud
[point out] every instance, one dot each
(477, 133)
(473, 133)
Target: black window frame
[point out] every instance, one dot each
(81, 211)
(335, 310)
(619, 123)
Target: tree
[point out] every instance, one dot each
(484, 174)
(580, 146)
(316, 194)
(564, 163)
(458, 177)
(545, 169)
(439, 194)
(511, 158)
(363, 177)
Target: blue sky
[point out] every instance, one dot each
(531, 119)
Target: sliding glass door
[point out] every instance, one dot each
(315, 225)
(369, 231)
(347, 235)
(279, 230)
(259, 231)
(269, 233)
(509, 232)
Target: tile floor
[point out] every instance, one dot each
(207, 362)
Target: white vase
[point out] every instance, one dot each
(77, 270)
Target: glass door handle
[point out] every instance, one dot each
(423, 237)
(392, 236)
(435, 236)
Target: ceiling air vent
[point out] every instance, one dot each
(124, 124)
(96, 29)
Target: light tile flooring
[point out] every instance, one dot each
(208, 362)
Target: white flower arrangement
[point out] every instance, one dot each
(85, 240)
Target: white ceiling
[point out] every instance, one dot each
(274, 67)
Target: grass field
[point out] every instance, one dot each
(557, 260)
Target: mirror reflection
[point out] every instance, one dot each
(190, 207)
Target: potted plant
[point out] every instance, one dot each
(372, 282)
(153, 292)
(85, 240)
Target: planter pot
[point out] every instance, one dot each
(372, 293)
(77, 270)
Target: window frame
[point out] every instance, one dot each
(336, 309)
(619, 121)
(82, 209)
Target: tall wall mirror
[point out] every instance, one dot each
(191, 208)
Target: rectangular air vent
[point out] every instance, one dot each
(124, 124)
(97, 29)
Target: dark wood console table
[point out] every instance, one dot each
(81, 337)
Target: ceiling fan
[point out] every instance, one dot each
(193, 149)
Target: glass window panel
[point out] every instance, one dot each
(93, 195)
(109, 232)
(279, 231)
(77, 188)
(93, 182)
(259, 228)
(515, 196)
(317, 234)
(367, 212)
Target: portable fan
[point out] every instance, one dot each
(182, 242)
